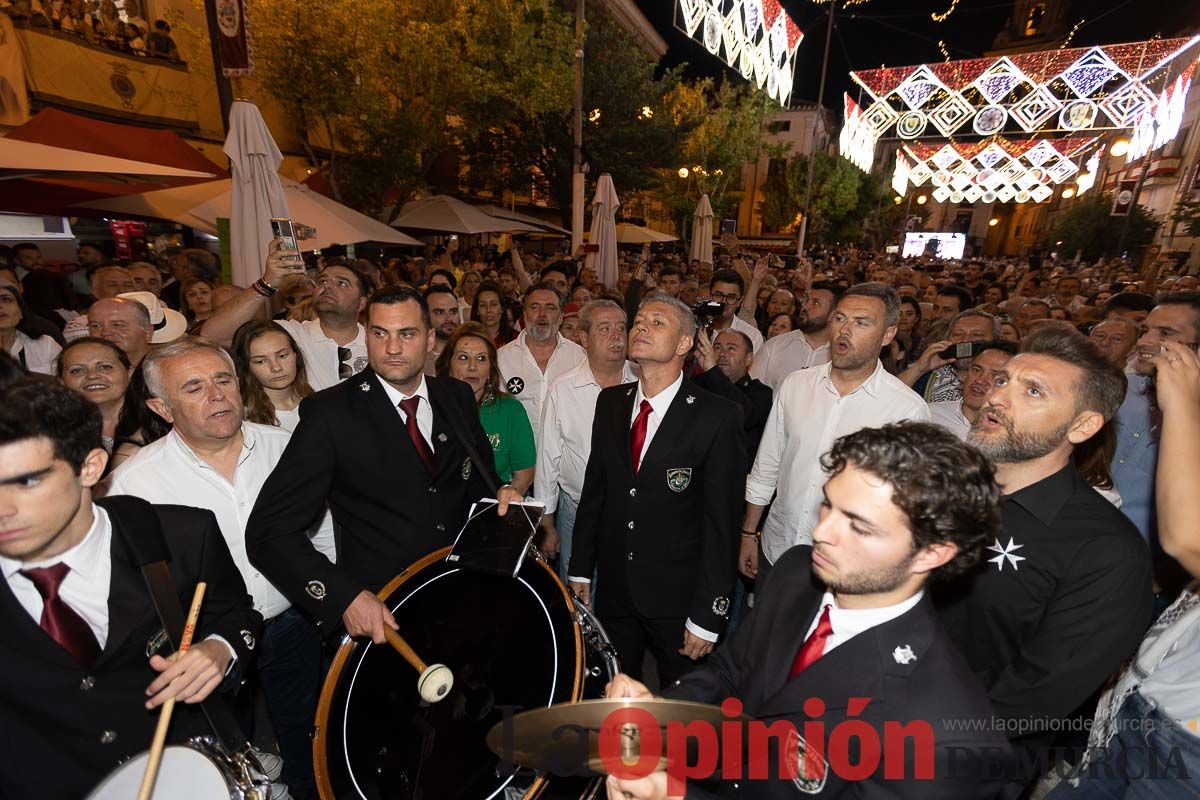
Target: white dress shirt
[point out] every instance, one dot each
(567, 424)
(168, 471)
(524, 379)
(424, 408)
(320, 352)
(756, 337)
(807, 415)
(38, 355)
(85, 588)
(850, 622)
(948, 414)
(785, 354)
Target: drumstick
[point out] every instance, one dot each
(164, 716)
(435, 681)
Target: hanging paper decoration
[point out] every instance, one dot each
(1159, 124)
(1077, 89)
(857, 141)
(755, 37)
(901, 175)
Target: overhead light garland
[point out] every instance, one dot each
(1159, 124)
(755, 37)
(856, 143)
(1077, 89)
(945, 14)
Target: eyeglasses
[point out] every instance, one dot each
(344, 369)
(722, 297)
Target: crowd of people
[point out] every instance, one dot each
(99, 23)
(961, 489)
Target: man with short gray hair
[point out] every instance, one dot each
(660, 497)
(107, 282)
(566, 423)
(214, 459)
(124, 322)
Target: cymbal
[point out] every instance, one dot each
(564, 739)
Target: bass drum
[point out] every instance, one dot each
(512, 644)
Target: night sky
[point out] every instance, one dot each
(900, 32)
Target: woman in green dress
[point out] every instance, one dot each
(470, 356)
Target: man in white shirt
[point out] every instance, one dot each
(807, 346)
(213, 459)
(564, 448)
(334, 344)
(812, 409)
(727, 288)
(957, 416)
(540, 355)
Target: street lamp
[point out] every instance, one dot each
(594, 115)
(993, 222)
(683, 172)
(1119, 148)
(1068, 193)
(921, 200)
(647, 112)
(897, 200)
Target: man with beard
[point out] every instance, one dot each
(807, 346)
(810, 410)
(958, 415)
(844, 629)
(334, 344)
(539, 355)
(726, 362)
(385, 450)
(1065, 593)
(445, 316)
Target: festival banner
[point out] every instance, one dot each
(233, 38)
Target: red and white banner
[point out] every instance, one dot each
(233, 38)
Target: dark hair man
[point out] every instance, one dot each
(726, 363)
(659, 502)
(74, 693)
(1065, 592)
(392, 504)
(1133, 306)
(334, 344)
(957, 416)
(950, 301)
(727, 288)
(807, 346)
(1030, 311)
(1175, 319)
(445, 315)
(670, 280)
(848, 616)
(1116, 337)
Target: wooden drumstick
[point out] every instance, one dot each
(435, 681)
(164, 716)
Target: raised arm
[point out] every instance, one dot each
(282, 262)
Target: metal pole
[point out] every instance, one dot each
(577, 200)
(812, 145)
(224, 90)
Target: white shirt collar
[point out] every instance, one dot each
(523, 335)
(870, 385)
(585, 377)
(395, 395)
(185, 449)
(850, 622)
(83, 558)
(661, 401)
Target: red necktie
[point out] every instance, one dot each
(813, 646)
(59, 620)
(409, 407)
(637, 435)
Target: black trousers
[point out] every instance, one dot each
(632, 635)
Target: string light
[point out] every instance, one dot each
(943, 16)
(945, 52)
(1071, 35)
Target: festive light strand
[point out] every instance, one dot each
(945, 14)
(1071, 35)
(945, 52)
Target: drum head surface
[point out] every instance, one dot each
(183, 774)
(512, 645)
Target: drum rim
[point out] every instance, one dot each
(334, 676)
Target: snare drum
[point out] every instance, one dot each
(197, 770)
(512, 643)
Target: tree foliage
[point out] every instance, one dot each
(842, 197)
(1089, 226)
(1187, 214)
(381, 90)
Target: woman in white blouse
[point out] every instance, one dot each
(33, 353)
(271, 372)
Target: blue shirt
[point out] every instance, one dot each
(1136, 456)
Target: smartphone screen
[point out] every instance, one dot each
(282, 228)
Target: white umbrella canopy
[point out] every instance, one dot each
(444, 214)
(628, 233)
(507, 214)
(604, 232)
(702, 222)
(200, 205)
(20, 159)
(257, 191)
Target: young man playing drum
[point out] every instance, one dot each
(83, 658)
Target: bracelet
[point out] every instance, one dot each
(752, 534)
(263, 288)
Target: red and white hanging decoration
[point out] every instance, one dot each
(856, 143)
